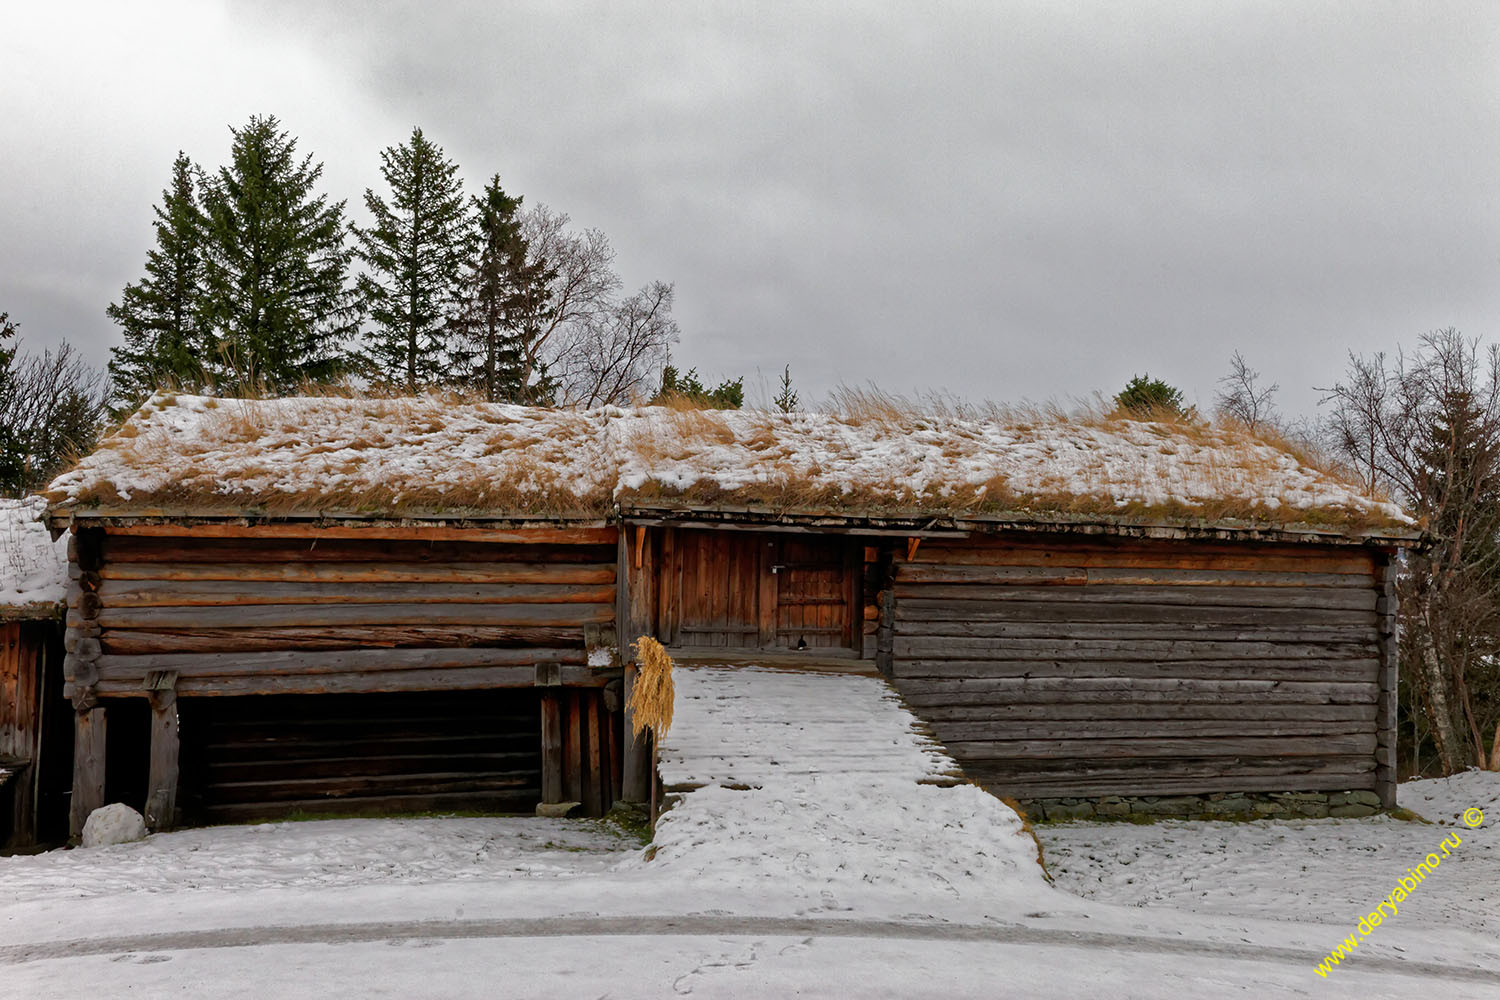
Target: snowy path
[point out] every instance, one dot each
(816, 789)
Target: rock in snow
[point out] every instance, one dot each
(115, 823)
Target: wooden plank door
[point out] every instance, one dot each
(815, 598)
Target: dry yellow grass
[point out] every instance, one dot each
(653, 696)
(867, 453)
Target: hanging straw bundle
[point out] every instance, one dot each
(652, 696)
(650, 705)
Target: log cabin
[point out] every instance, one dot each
(335, 605)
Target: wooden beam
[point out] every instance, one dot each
(88, 766)
(573, 777)
(538, 536)
(637, 617)
(552, 748)
(1386, 707)
(312, 615)
(596, 782)
(162, 774)
(635, 762)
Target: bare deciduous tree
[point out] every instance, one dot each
(616, 356)
(1243, 397)
(1427, 428)
(52, 412)
(580, 291)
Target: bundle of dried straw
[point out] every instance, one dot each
(652, 696)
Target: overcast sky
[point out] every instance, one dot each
(1003, 200)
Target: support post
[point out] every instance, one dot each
(636, 778)
(162, 776)
(1389, 657)
(88, 766)
(552, 748)
(636, 617)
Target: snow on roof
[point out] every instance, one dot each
(435, 455)
(33, 568)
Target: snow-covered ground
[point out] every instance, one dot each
(1336, 870)
(820, 854)
(33, 568)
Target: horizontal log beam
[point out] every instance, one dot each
(1144, 785)
(1104, 577)
(532, 536)
(921, 692)
(1326, 598)
(219, 593)
(465, 679)
(135, 642)
(1064, 713)
(982, 648)
(911, 610)
(969, 733)
(1159, 631)
(311, 615)
(120, 550)
(1129, 670)
(1269, 746)
(122, 668)
(367, 572)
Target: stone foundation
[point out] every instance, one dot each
(1218, 805)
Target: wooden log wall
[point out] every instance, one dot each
(1054, 667)
(178, 614)
(264, 613)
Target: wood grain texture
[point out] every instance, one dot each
(1033, 660)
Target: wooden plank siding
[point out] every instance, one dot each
(1053, 667)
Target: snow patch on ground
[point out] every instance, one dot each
(1326, 870)
(33, 568)
(321, 854)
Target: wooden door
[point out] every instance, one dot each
(738, 590)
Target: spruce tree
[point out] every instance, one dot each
(415, 253)
(786, 400)
(164, 341)
(275, 294)
(503, 289)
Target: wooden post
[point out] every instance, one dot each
(594, 781)
(637, 617)
(885, 599)
(573, 779)
(549, 679)
(635, 766)
(552, 760)
(162, 776)
(1385, 710)
(88, 766)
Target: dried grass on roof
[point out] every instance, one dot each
(868, 453)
